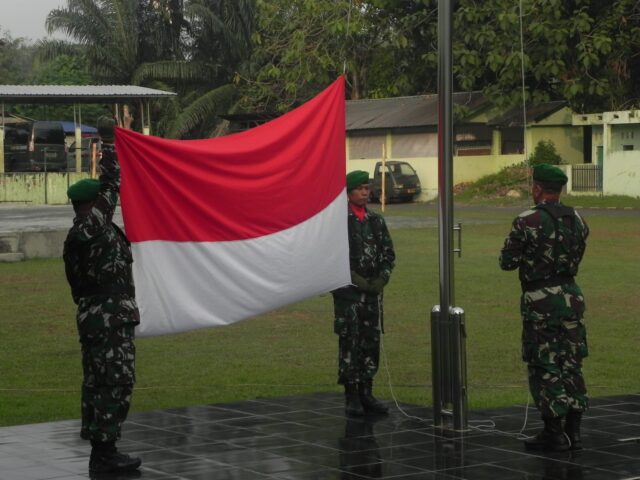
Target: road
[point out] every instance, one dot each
(21, 218)
(34, 218)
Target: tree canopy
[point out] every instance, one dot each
(271, 55)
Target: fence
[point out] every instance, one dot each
(586, 178)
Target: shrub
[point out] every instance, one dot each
(545, 152)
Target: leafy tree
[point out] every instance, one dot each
(578, 50)
(15, 59)
(584, 51)
(62, 70)
(413, 64)
(302, 45)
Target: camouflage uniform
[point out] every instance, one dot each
(98, 261)
(547, 244)
(358, 314)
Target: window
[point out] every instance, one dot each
(366, 146)
(626, 134)
(411, 145)
(627, 148)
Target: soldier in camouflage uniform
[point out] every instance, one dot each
(358, 307)
(546, 244)
(98, 261)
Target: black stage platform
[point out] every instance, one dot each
(308, 437)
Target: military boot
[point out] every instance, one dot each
(572, 429)
(369, 402)
(352, 407)
(105, 458)
(551, 439)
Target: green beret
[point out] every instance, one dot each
(549, 173)
(356, 178)
(85, 190)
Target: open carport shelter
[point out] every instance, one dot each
(78, 95)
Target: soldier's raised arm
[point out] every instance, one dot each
(107, 199)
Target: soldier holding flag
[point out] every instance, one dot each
(358, 307)
(546, 244)
(98, 259)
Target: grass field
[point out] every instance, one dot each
(293, 350)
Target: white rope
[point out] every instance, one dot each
(524, 98)
(486, 426)
(344, 64)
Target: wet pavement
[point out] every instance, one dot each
(308, 437)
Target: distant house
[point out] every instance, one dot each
(549, 121)
(614, 143)
(484, 140)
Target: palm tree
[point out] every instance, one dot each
(220, 33)
(191, 48)
(110, 31)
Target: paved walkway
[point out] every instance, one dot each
(308, 437)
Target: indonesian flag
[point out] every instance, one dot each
(227, 228)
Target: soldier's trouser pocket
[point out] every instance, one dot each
(121, 368)
(345, 317)
(533, 345)
(108, 357)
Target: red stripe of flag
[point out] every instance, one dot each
(241, 186)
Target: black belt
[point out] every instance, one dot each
(554, 281)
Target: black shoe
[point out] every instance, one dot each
(370, 403)
(113, 463)
(551, 439)
(353, 406)
(572, 429)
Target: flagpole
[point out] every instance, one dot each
(383, 200)
(447, 321)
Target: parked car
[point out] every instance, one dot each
(401, 182)
(16, 139)
(86, 145)
(47, 148)
(35, 147)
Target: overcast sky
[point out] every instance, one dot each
(25, 18)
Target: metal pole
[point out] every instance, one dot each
(148, 132)
(2, 169)
(448, 346)
(445, 153)
(46, 177)
(77, 121)
(383, 194)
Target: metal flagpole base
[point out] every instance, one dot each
(449, 367)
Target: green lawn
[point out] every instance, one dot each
(293, 350)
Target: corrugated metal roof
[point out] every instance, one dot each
(77, 93)
(403, 112)
(513, 118)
